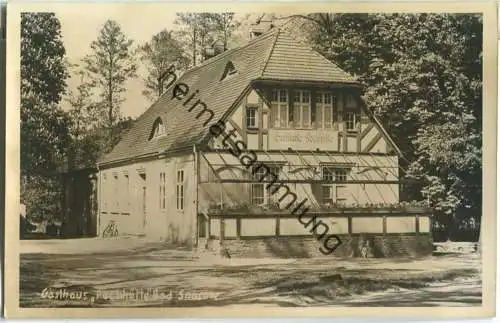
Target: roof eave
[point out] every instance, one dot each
(332, 84)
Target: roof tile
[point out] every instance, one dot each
(274, 55)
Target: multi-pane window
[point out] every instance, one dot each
(326, 189)
(180, 190)
(326, 194)
(259, 194)
(279, 108)
(116, 192)
(340, 175)
(302, 109)
(325, 110)
(127, 188)
(334, 192)
(351, 121)
(251, 117)
(105, 191)
(162, 191)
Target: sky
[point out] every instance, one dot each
(79, 30)
(80, 27)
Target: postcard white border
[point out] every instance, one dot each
(489, 11)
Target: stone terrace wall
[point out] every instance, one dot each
(380, 246)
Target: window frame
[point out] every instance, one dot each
(299, 106)
(322, 106)
(127, 196)
(354, 122)
(334, 173)
(158, 129)
(255, 110)
(267, 198)
(179, 191)
(104, 191)
(229, 70)
(276, 108)
(163, 195)
(116, 192)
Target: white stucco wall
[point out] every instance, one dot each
(124, 203)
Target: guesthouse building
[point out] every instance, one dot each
(266, 149)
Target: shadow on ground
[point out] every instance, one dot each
(159, 277)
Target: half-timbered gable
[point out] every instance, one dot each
(291, 128)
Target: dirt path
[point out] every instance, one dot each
(158, 277)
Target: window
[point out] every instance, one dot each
(228, 70)
(326, 194)
(334, 173)
(259, 194)
(158, 129)
(279, 109)
(326, 189)
(116, 192)
(105, 188)
(162, 191)
(180, 190)
(251, 117)
(325, 110)
(340, 175)
(350, 101)
(351, 121)
(127, 188)
(302, 109)
(334, 192)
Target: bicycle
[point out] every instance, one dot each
(111, 230)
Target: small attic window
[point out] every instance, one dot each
(228, 70)
(158, 129)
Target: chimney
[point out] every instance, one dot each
(216, 48)
(262, 25)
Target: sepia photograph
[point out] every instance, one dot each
(290, 157)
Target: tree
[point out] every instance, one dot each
(43, 68)
(422, 77)
(84, 111)
(85, 120)
(44, 125)
(159, 54)
(189, 31)
(224, 25)
(198, 30)
(110, 65)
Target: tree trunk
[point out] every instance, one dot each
(110, 111)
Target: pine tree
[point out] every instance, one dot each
(161, 52)
(110, 66)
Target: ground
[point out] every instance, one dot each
(134, 272)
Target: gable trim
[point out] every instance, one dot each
(270, 53)
(225, 117)
(379, 126)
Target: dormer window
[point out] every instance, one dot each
(158, 129)
(228, 70)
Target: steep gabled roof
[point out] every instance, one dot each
(274, 55)
(292, 61)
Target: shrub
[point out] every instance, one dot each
(42, 197)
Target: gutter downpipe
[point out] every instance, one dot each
(197, 183)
